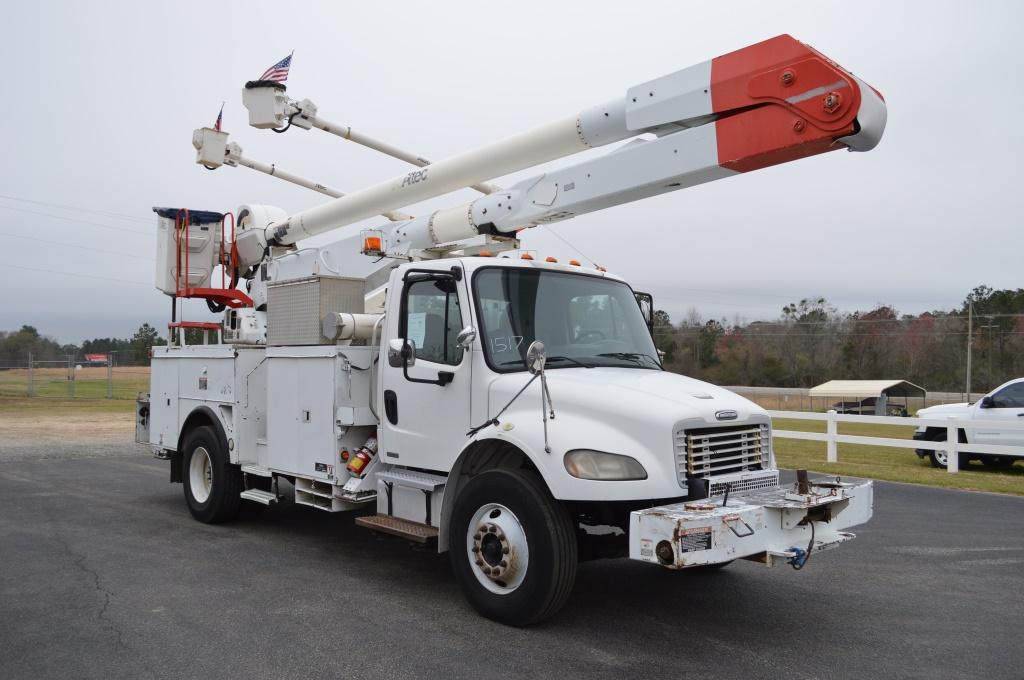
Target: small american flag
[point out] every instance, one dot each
(278, 73)
(220, 118)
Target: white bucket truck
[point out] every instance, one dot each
(449, 388)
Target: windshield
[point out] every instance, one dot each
(582, 320)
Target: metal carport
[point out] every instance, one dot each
(862, 390)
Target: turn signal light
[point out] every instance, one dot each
(574, 263)
(550, 259)
(526, 256)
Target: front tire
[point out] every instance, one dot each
(513, 548)
(939, 458)
(212, 484)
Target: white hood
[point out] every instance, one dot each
(627, 411)
(945, 410)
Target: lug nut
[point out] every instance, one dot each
(479, 563)
(503, 564)
(504, 551)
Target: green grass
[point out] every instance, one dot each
(890, 464)
(25, 406)
(89, 383)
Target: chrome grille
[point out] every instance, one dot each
(765, 481)
(708, 452)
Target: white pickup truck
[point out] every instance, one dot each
(1005, 404)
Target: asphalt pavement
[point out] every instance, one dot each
(104, 574)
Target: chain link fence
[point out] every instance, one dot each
(73, 378)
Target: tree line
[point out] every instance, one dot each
(16, 346)
(812, 342)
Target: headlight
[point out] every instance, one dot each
(586, 464)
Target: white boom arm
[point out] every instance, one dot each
(213, 150)
(269, 107)
(769, 103)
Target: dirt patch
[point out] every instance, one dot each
(61, 434)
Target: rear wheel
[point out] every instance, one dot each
(513, 549)
(212, 484)
(997, 462)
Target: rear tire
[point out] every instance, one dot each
(212, 484)
(997, 462)
(513, 547)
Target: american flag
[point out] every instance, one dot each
(279, 71)
(220, 118)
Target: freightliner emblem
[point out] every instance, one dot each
(725, 415)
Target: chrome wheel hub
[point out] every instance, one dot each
(497, 548)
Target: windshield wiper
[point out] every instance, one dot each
(550, 359)
(570, 360)
(631, 356)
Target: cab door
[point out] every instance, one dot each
(1005, 405)
(426, 394)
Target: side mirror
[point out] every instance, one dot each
(536, 357)
(401, 352)
(987, 402)
(466, 337)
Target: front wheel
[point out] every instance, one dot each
(939, 458)
(212, 484)
(513, 548)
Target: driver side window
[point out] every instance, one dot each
(1009, 397)
(433, 320)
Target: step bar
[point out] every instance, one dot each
(396, 526)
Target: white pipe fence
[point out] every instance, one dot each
(952, 446)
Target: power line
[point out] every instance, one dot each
(75, 220)
(74, 274)
(78, 247)
(66, 206)
(561, 238)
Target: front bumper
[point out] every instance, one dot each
(768, 525)
(921, 436)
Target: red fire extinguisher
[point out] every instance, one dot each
(358, 461)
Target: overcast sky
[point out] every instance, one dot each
(101, 100)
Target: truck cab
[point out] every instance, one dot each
(465, 326)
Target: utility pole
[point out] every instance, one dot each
(31, 387)
(110, 375)
(970, 338)
(990, 323)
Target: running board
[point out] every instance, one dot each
(260, 496)
(396, 526)
(257, 470)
